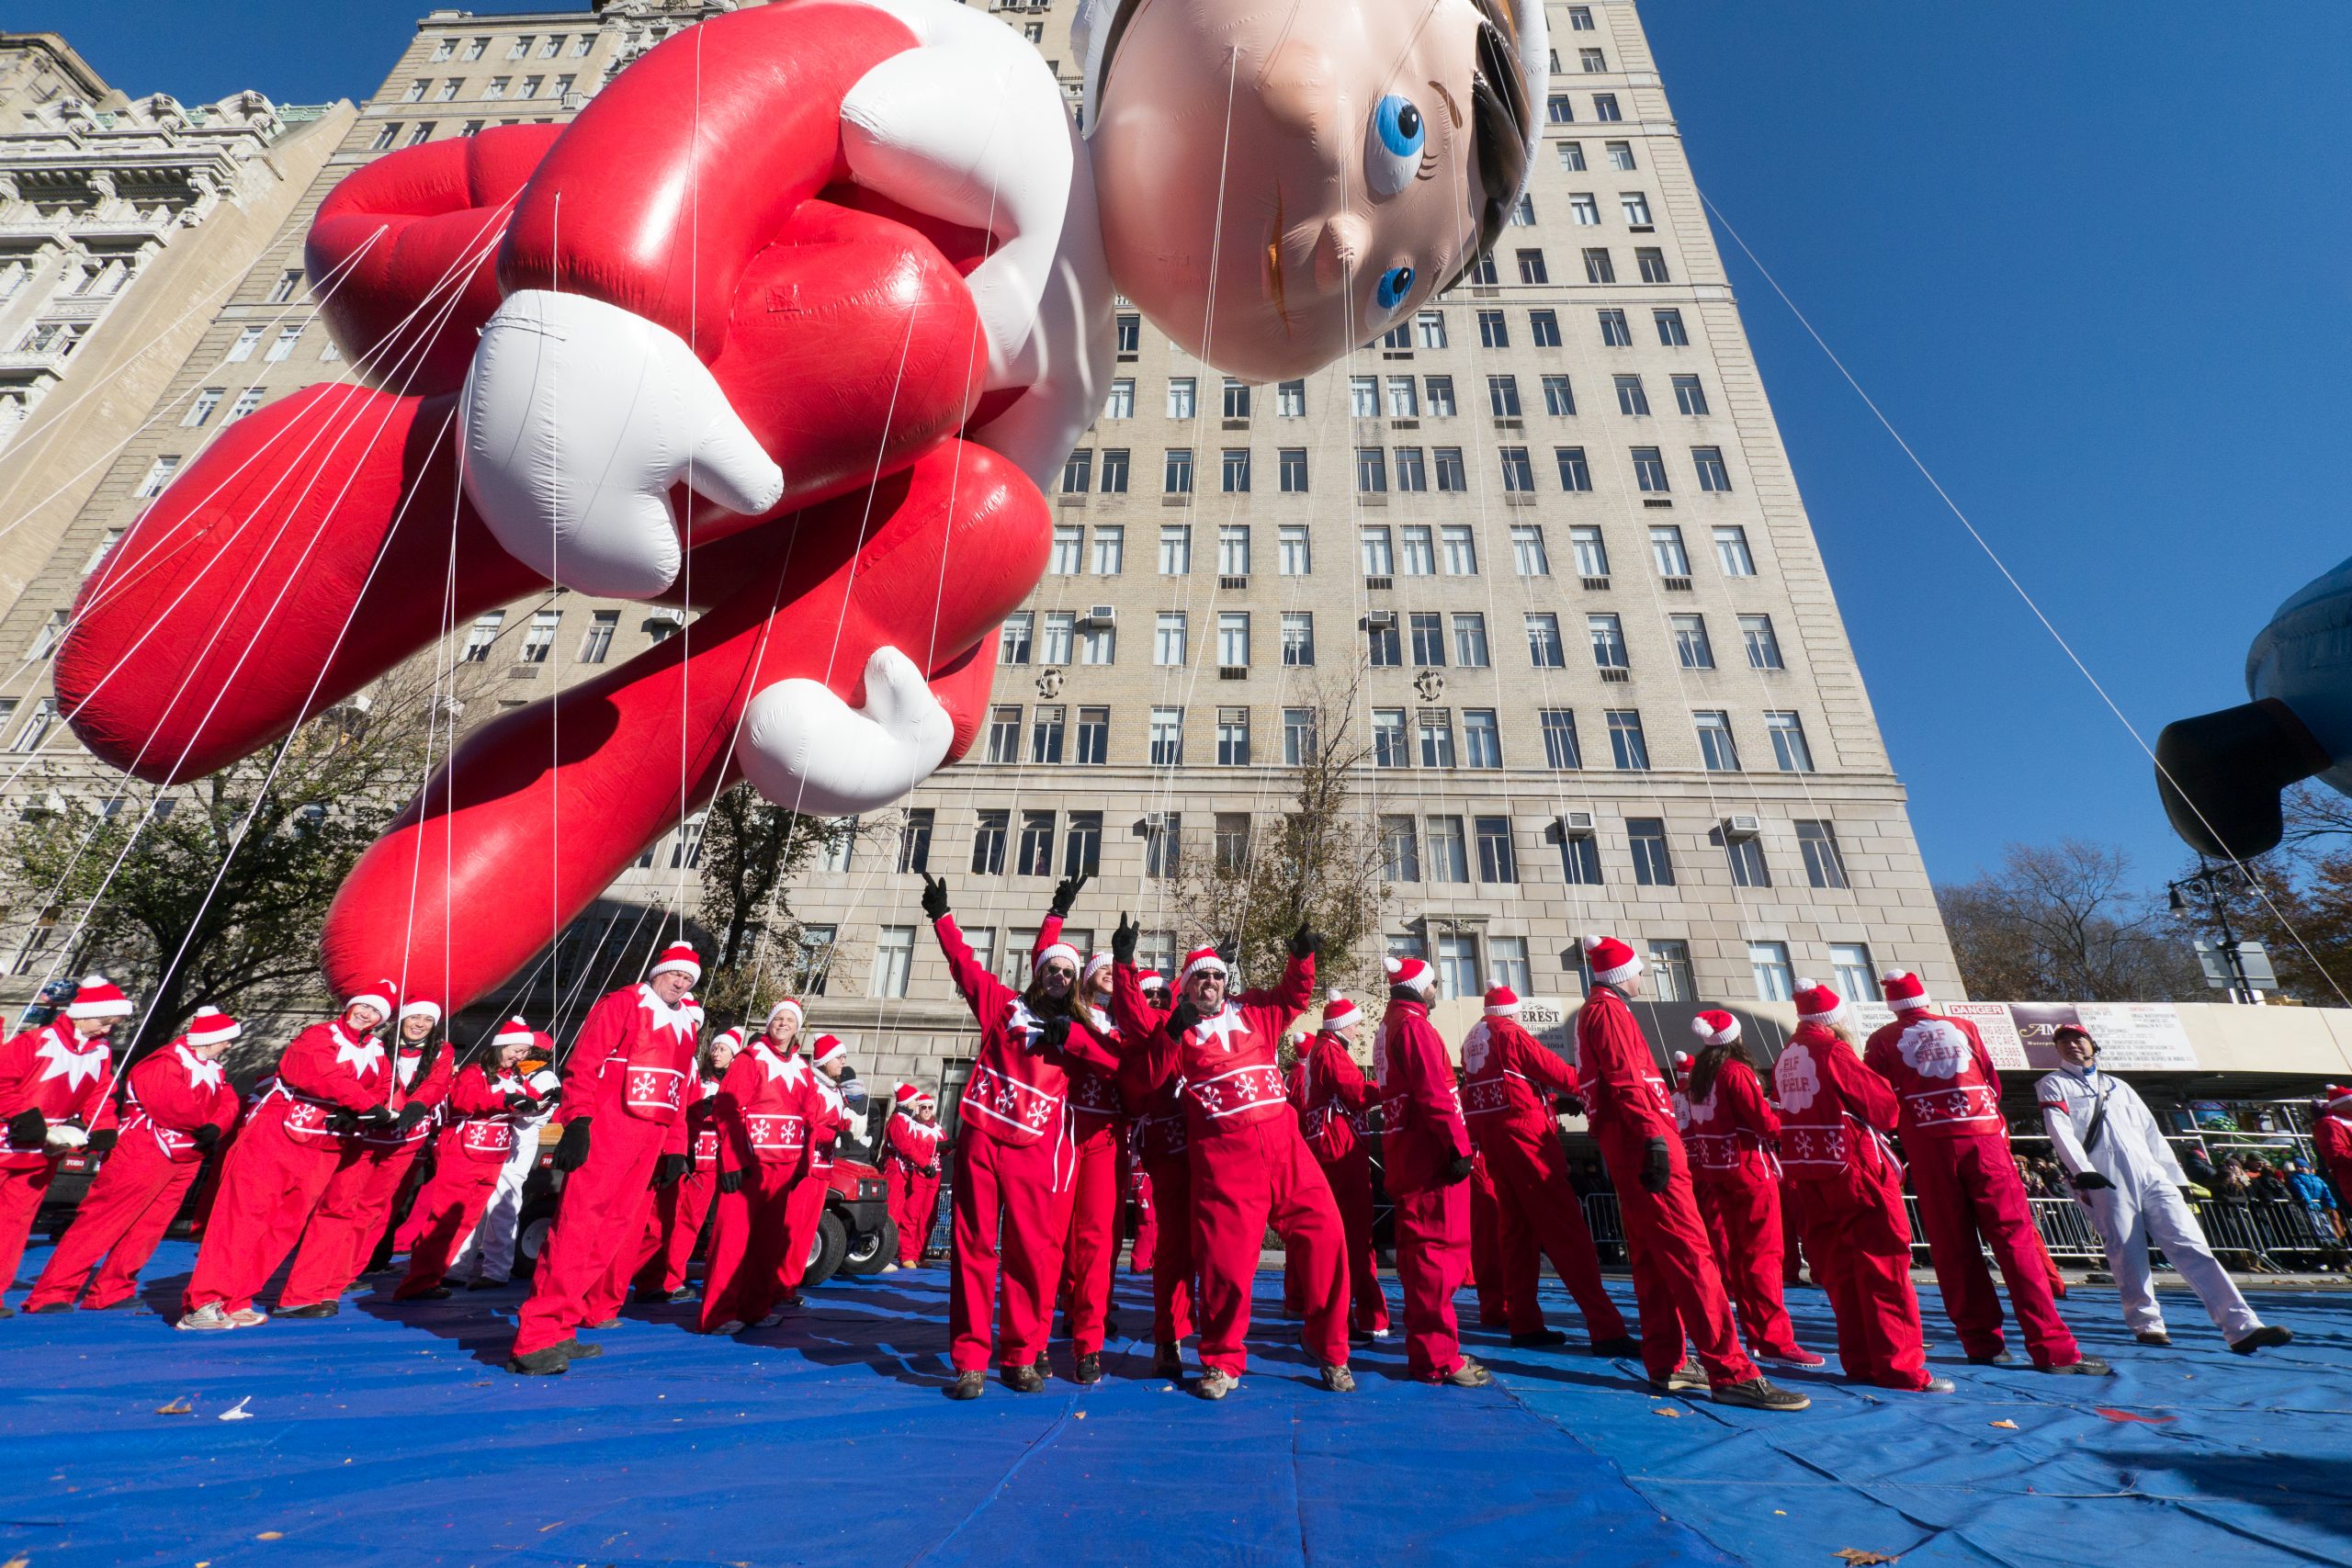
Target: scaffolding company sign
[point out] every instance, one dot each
(2144, 1037)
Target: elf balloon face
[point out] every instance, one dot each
(1365, 149)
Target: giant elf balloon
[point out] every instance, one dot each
(2220, 774)
(788, 327)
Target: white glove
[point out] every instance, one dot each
(579, 418)
(65, 1136)
(805, 749)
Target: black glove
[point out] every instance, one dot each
(1181, 1017)
(934, 897)
(1123, 940)
(572, 1153)
(1066, 891)
(1658, 1167)
(1458, 1168)
(1053, 1033)
(731, 1182)
(412, 1113)
(1568, 1104)
(29, 1129)
(1230, 949)
(103, 1140)
(207, 1135)
(1306, 942)
(518, 1103)
(342, 1122)
(670, 1169)
(929, 1172)
(377, 1116)
(2089, 1182)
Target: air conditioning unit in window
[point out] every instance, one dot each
(1742, 827)
(1153, 823)
(1380, 620)
(1099, 615)
(1576, 822)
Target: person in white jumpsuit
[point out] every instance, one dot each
(2128, 1177)
(489, 1254)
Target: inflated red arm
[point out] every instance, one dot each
(676, 175)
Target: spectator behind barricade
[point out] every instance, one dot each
(2031, 1177)
(2202, 1176)
(2313, 1194)
(2268, 1185)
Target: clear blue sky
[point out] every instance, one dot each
(2090, 257)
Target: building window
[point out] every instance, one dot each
(159, 474)
(1013, 638)
(1176, 474)
(1034, 856)
(1716, 752)
(1591, 552)
(1649, 471)
(1627, 748)
(106, 546)
(1604, 106)
(485, 633)
(914, 841)
(1527, 555)
(1592, 62)
(1439, 392)
(1690, 397)
(894, 961)
(1522, 216)
(1175, 550)
(1364, 396)
(1461, 547)
(1098, 643)
(1386, 648)
(422, 133)
(1299, 747)
(1236, 470)
(1470, 639)
(1615, 332)
(1236, 399)
(1167, 737)
(1428, 639)
(1114, 470)
(1850, 969)
(1652, 263)
(1457, 965)
(1400, 850)
(1519, 469)
(1437, 738)
(1669, 328)
(1636, 208)
(1231, 841)
(1572, 157)
(1293, 461)
(1404, 398)
(1493, 331)
(1110, 550)
(1372, 471)
(1576, 474)
(1607, 634)
(1163, 847)
(1083, 844)
(1233, 638)
(1420, 552)
(1580, 859)
(385, 136)
(1412, 472)
(1375, 547)
(1233, 737)
(1169, 640)
(685, 854)
(1077, 471)
(1585, 208)
(1789, 748)
(1825, 864)
(1580, 18)
(1544, 648)
(1294, 551)
(1449, 855)
(835, 853)
(1731, 552)
(1559, 398)
(1530, 267)
(1770, 962)
(1428, 329)
(988, 843)
(1290, 399)
(1763, 647)
(1631, 398)
(1129, 329)
(1691, 649)
(1047, 722)
(247, 401)
(1452, 478)
(1069, 550)
(1004, 734)
(1298, 639)
(1121, 404)
(1598, 269)
(51, 635)
(1559, 109)
(1652, 866)
(1502, 396)
(539, 637)
(1388, 744)
(1669, 970)
(1713, 478)
(1560, 749)
(201, 409)
(1482, 738)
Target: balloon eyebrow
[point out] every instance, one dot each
(1453, 109)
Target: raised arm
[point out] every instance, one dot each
(1291, 997)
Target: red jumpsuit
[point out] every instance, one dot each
(1164, 1161)
(1835, 1114)
(283, 1159)
(803, 1210)
(168, 1095)
(1486, 1247)
(1421, 1116)
(767, 1107)
(1015, 1154)
(1250, 1167)
(1738, 1183)
(911, 1163)
(50, 1070)
(1090, 1249)
(1967, 1184)
(1146, 1245)
(473, 1149)
(1676, 1287)
(680, 1208)
(2331, 1133)
(630, 1066)
(353, 1210)
(1506, 1092)
(1330, 1095)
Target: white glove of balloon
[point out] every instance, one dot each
(579, 418)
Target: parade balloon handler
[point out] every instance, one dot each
(1091, 1250)
(769, 1111)
(680, 1208)
(1735, 1174)
(2125, 1173)
(488, 1257)
(1163, 1153)
(484, 1101)
(829, 1127)
(848, 487)
(1331, 1098)
(56, 1087)
(1426, 1160)
(912, 1149)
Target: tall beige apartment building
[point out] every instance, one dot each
(1545, 532)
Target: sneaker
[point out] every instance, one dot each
(50, 1306)
(1623, 1345)
(1795, 1356)
(248, 1317)
(732, 1325)
(548, 1363)
(967, 1385)
(772, 1319)
(1383, 1336)
(1938, 1385)
(1757, 1394)
(311, 1309)
(1684, 1378)
(683, 1294)
(1090, 1367)
(1167, 1361)
(1997, 1359)
(2082, 1367)
(579, 1350)
(2266, 1337)
(2153, 1338)
(1337, 1379)
(430, 1293)
(792, 1300)
(208, 1317)
(1216, 1383)
(608, 1323)
(887, 1269)
(1538, 1339)
(1025, 1380)
(1469, 1374)
(7, 1311)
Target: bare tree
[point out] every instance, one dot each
(1318, 863)
(2066, 922)
(750, 854)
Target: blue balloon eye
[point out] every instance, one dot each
(1399, 124)
(1395, 284)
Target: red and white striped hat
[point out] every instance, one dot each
(1338, 1011)
(379, 996)
(1198, 960)
(430, 1008)
(1715, 1028)
(210, 1026)
(99, 998)
(1610, 960)
(678, 958)
(1095, 964)
(915, 1095)
(691, 1007)
(826, 1049)
(1410, 971)
(1502, 1003)
(1905, 992)
(1150, 979)
(514, 1032)
(733, 1038)
(1681, 1060)
(1818, 1003)
(800, 1014)
(1062, 951)
(2337, 1097)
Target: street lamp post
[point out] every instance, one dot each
(2210, 880)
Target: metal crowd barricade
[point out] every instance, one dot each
(1608, 1226)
